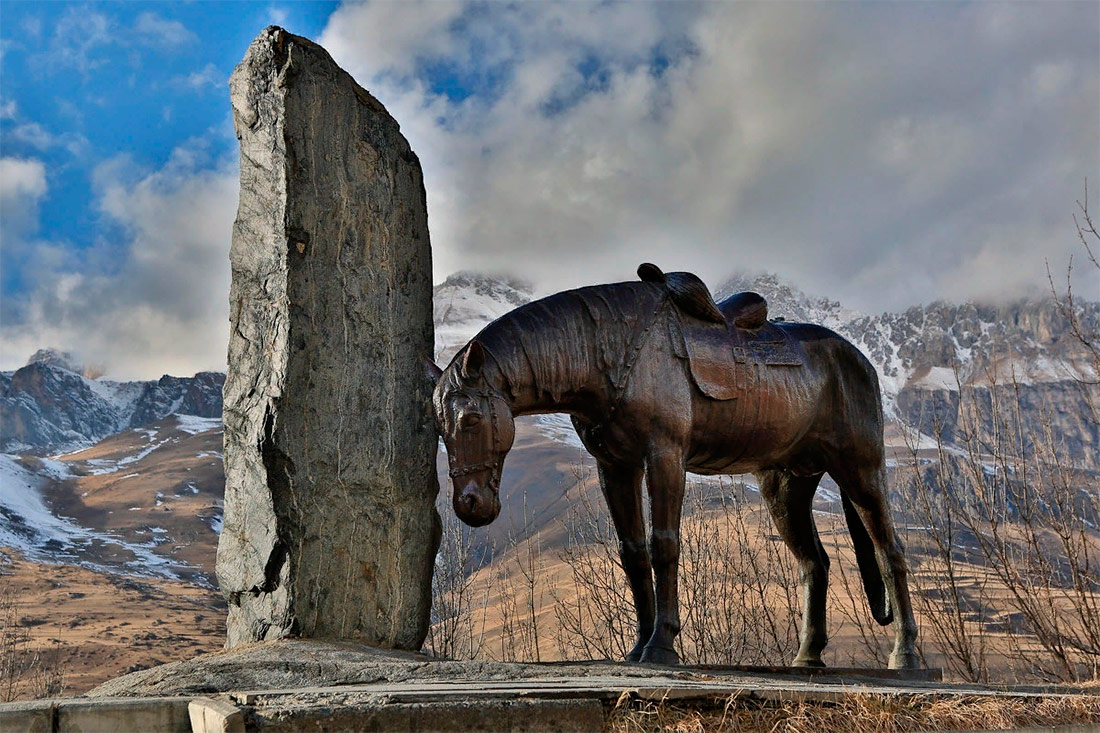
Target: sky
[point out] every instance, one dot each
(880, 154)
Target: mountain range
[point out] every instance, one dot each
(50, 404)
(66, 435)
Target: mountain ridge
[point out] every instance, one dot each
(49, 405)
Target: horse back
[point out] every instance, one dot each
(763, 392)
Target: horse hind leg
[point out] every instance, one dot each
(790, 500)
(665, 480)
(622, 488)
(865, 487)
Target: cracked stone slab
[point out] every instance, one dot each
(330, 527)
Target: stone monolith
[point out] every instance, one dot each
(330, 527)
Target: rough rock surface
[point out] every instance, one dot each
(330, 526)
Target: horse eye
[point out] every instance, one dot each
(470, 420)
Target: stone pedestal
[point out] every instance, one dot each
(330, 527)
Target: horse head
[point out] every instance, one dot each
(477, 428)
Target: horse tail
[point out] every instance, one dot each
(873, 583)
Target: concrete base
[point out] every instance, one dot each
(104, 715)
(268, 687)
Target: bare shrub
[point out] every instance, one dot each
(948, 602)
(27, 669)
(1070, 306)
(459, 597)
(521, 595)
(1006, 500)
(848, 601)
(594, 608)
(738, 583)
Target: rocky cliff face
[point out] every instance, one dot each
(949, 370)
(49, 406)
(199, 395)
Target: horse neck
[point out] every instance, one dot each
(558, 354)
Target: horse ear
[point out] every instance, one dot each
(473, 360)
(650, 273)
(432, 372)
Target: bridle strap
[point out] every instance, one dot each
(494, 440)
(472, 468)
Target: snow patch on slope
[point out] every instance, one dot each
(193, 424)
(558, 427)
(31, 528)
(121, 396)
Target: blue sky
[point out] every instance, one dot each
(880, 154)
(85, 84)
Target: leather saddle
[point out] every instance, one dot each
(727, 344)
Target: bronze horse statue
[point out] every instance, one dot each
(659, 379)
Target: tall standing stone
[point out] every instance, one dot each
(330, 527)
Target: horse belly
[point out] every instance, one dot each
(757, 427)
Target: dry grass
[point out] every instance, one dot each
(90, 626)
(859, 714)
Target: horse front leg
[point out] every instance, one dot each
(622, 488)
(665, 479)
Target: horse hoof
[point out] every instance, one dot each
(660, 655)
(814, 662)
(904, 660)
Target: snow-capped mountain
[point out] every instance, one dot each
(926, 345)
(467, 301)
(936, 349)
(50, 405)
(936, 362)
(923, 347)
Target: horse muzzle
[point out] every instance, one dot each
(476, 506)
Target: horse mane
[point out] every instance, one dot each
(554, 341)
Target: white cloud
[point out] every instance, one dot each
(32, 26)
(152, 28)
(206, 77)
(391, 37)
(8, 109)
(22, 186)
(277, 16)
(82, 36)
(79, 35)
(33, 135)
(22, 181)
(154, 302)
(880, 154)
